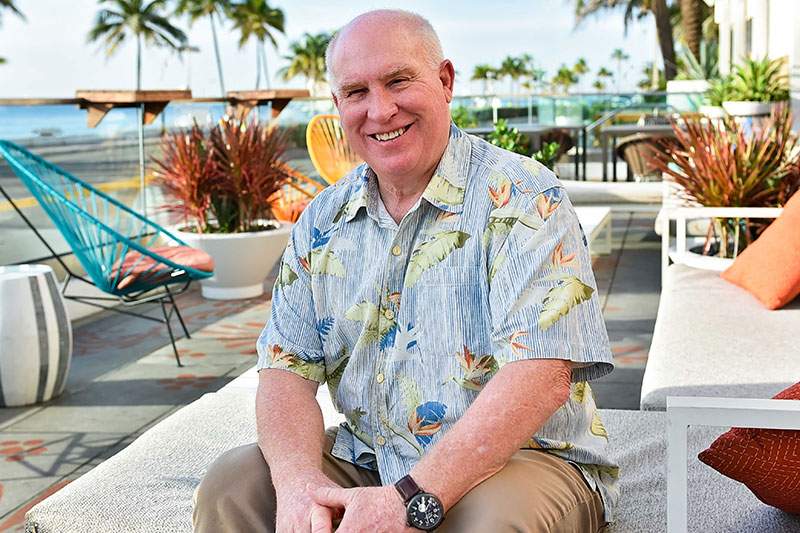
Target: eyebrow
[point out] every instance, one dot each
(399, 71)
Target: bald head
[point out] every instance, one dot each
(414, 26)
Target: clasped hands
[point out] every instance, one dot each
(314, 507)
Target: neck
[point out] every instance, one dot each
(399, 194)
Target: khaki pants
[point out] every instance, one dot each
(534, 492)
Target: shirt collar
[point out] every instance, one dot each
(445, 190)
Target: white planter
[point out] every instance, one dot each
(748, 109)
(241, 260)
(713, 111)
(35, 336)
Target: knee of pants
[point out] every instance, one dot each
(236, 477)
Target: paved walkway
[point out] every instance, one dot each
(124, 379)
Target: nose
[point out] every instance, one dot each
(382, 106)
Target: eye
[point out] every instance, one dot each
(350, 93)
(398, 81)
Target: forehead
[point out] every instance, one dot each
(374, 51)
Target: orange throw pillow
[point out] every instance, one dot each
(766, 460)
(770, 267)
(138, 267)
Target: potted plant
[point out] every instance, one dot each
(224, 182)
(725, 164)
(755, 86)
(719, 91)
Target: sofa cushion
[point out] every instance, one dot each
(766, 460)
(705, 325)
(149, 485)
(770, 267)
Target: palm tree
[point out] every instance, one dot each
(514, 68)
(308, 60)
(9, 4)
(638, 9)
(485, 73)
(619, 56)
(139, 19)
(692, 25)
(255, 18)
(599, 85)
(197, 9)
(580, 68)
(565, 78)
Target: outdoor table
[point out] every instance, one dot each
(596, 225)
(35, 336)
(621, 130)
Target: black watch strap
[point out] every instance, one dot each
(407, 488)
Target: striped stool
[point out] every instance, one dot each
(35, 336)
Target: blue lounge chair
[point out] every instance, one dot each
(125, 255)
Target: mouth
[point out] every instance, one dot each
(390, 135)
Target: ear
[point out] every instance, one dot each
(447, 75)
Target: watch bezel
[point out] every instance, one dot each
(417, 496)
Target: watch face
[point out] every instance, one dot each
(425, 511)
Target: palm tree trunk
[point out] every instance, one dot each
(264, 59)
(258, 67)
(138, 62)
(216, 53)
(665, 42)
(692, 22)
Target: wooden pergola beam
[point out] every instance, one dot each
(99, 102)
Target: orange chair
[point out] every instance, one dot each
(330, 153)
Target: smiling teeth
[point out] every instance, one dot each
(390, 135)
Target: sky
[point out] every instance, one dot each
(48, 55)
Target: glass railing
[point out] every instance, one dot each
(107, 156)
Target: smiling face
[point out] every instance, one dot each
(393, 104)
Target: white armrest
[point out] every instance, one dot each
(682, 214)
(683, 412)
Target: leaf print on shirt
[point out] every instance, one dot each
(426, 421)
(537, 443)
(320, 262)
(353, 419)
(432, 252)
(404, 344)
(282, 359)
(379, 324)
(335, 371)
(547, 202)
(441, 191)
(496, 264)
(559, 258)
(568, 293)
(476, 370)
(502, 221)
(581, 392)
(597, 427)
(500, 189)
(324, 327)
(286, 276)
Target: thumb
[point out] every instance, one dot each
(330, 496)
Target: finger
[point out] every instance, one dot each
(330, 496)
(321, 520)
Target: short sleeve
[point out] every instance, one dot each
(290, 340)
(542, 293)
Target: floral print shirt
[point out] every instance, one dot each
(407, 322)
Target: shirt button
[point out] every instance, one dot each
(380, 441)
(379, 378)
(396, 251)
(389, 314)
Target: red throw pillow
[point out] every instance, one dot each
(770, 267)
(137, 267)
(766, 460)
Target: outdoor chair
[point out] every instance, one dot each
(329, 150)
(125, 255)
(636, 151)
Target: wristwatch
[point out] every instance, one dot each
(423, 510)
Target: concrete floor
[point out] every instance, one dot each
(123, 377)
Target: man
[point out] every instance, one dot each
(444, 292)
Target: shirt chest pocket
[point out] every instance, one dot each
(451, 309)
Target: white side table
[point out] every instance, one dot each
(35, 336)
